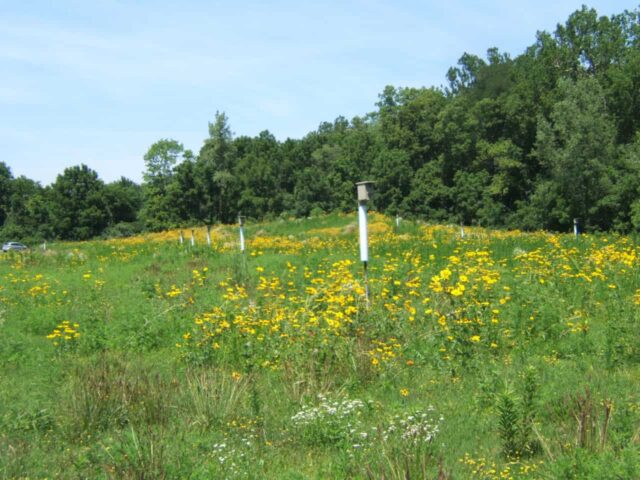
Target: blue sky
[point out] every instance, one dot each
(97, 82)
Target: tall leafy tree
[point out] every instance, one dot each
(577, 149)
(124, 200)
(392, 170)
(215, 168)
(624, 198)
(184, 193)
(256, 173)
(407, 119)
(28, 213)
(159, 162)
(429, 197)
(159, 211)
(5, 191)
(78, 204)
(464, 76)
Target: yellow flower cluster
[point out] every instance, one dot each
(484, 469)
(282, 312)
(455, 290)
(64, 334)
(383, 352)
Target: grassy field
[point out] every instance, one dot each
(497, 355)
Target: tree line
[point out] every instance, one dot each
(528, 142)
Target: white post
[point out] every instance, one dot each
(575, 227)
(44, 246)
(208, 235)
(193, 238)
(461, 231)
(364, 190)
(397, 221)
(181, 238)
(241, 223)
(364, 245)
(364, 234)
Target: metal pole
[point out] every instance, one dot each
(193, 238)
(181, 238)
(209, 235)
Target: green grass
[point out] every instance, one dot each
(530, 372)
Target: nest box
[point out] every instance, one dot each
(365, 191)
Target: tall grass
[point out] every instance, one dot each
(521, 350)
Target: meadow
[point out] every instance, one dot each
(497, 355)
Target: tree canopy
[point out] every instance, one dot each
(531, 141)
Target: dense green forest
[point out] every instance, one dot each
(527, 142)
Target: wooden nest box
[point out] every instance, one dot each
(365, 191)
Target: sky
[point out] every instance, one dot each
(98, 82)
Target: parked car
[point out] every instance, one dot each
(13, 246)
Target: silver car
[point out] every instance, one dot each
(13, 246)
